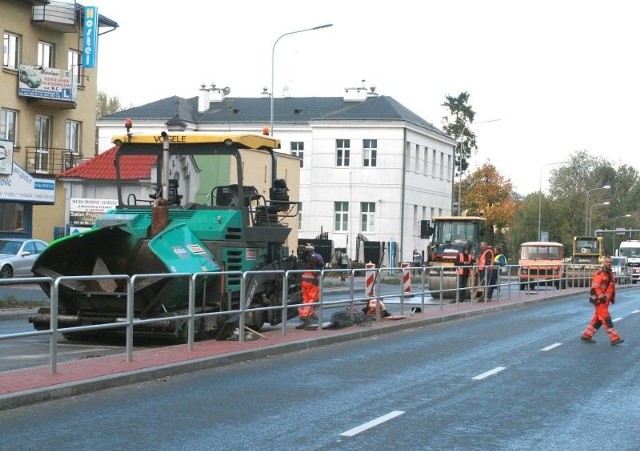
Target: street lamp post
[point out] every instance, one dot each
(613, 247)
(586, 209)
(273, 53)
(460, 174)
(540, 195)
(591, 212)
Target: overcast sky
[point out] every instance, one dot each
(560, 76)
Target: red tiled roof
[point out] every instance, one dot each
(101, 167)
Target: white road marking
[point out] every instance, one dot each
(550, 347)
(372, 423)
(616, 319)
(636, 311)
(489, 373)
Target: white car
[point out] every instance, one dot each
(17, 256)
(621, 269)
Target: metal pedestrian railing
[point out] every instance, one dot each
(429, 286)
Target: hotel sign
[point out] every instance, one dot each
(90, 37)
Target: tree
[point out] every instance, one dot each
(565, 208)
(461, 116)
(487, 193)
(107, 105)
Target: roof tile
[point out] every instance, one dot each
(101, 167)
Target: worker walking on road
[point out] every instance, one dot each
(603, 293)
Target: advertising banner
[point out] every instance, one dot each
(46, 83)
(84, 212)
(21, 187)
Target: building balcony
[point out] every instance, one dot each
(51, 160)
(56, 15)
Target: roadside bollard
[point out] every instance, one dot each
(370, 280)
(406, 279)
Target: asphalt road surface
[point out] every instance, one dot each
(513, 379)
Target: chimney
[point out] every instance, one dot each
(218, 94)
(356, 94)
(203, 99)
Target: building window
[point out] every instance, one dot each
(43, 139)
(367, 216)
(433, 162)
(341, 216)
(8, 125)
(45, 54)
(370, 152)
(297, 150)
(75, 66)
(11, 52)
(425, 169)
(72, 137)
(343, 149)
(417, 167)
(407, 156)
(11, 217)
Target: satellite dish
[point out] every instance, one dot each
(226, 90)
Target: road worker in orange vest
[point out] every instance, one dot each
(485, 263)
(310, 288)
(603, 293)
(463, 263)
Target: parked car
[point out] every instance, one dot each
(621, 269)
(17, 256)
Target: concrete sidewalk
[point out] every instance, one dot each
(37, 384)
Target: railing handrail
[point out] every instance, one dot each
(350, 302)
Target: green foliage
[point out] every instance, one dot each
(567, 206)
(461, 115)
(487, 193)
(107, 105)
(574, 198)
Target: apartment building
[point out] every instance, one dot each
(48, 89)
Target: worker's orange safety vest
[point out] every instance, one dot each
(486, 255)
(466, 260)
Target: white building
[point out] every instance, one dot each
(369, 167)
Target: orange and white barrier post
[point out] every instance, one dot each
(370, 280)
(406, 279)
